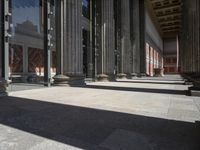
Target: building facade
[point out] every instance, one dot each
(67, 41)
(97, 39)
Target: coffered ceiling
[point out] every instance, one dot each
(168, 15)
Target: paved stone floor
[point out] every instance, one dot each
(139, 114)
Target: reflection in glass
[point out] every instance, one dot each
(86, 8)
(27, 37)
(36, 61)
(16, 58)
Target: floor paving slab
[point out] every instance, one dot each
(101, 116)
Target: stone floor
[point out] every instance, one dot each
(139, 114)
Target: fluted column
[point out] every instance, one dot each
(3, 62)
(190, 46)
(69, 42)
(1, 58)
(123, 29)
(105, 39)
(72, 52)
(142, 37)
(135, 37)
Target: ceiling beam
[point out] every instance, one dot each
(169, 20)
(169, 26)
(154, 1)
(171, 32)
(172, 28)
(167, 7)
(168, 15)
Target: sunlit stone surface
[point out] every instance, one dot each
(141, 113)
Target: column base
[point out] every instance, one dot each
(134, 75)
(187, 82)
(121, 76)
(3, 87)
(63, 80)
(195, 89)
(140, 75)
(77, 80)
(103, 78)
(158, 72)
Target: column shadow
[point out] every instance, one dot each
(87, 128)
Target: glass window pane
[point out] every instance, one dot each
(27, 42)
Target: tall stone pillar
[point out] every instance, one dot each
(135, 37)
(105, 39)
(3, 83)
(1, 24)
(190, 53)
(123, 38)
(142, 37)
(72, 51)
(70, 39)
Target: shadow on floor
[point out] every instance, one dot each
(132, 89)
(71, 125)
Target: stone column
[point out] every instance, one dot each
(135, 37)
(71, 55)
(190, 26)
(1, 23)
(3, 83)
(190, 47)
(124, 46)
(105, 37)
(72, 51)
(142, 38)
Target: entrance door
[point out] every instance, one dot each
(26, 45)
